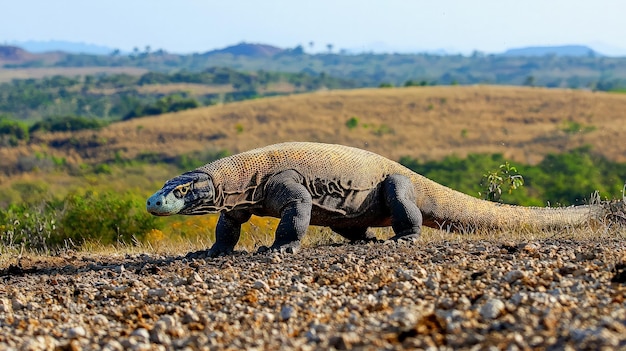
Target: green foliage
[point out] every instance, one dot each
(385, 85)
(106, 218)
(413, 83)
(29, 226)
(565, 179)
(505, 177)
(66, 124)
(12, 131)
(352, 123)
(382, 130)
(239, 128)
(102, 168)
(365, 69)
(573, 127)
(170, 103)
(92, 97)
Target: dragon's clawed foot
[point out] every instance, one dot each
(214, 251)
(409, 238)
(291, 248)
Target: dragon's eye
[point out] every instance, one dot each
(182, 190)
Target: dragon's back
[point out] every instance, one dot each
(353, 167)
(331, 172)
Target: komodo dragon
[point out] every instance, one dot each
(344, 188)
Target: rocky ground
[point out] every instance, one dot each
(537, 294)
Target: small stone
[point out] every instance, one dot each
(141, 334)
(17, 303)
(513, 276)
(113, 345)
(100, 319)
(403, 317)
(76, 332)
(492, 309)
(6, 306)
(261, 285)
(160, 292)
(195, 278)
(190, 317)
(311, 335)
(287, 312)
(168, 321)
(158, 335)
(339, 342)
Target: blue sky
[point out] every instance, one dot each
(186, 26)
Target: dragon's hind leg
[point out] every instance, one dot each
(406, 218)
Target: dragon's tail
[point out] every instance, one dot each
(449, 209)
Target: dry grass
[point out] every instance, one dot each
(8, 74)
(193, 89)
(259, 231)
(425, 123)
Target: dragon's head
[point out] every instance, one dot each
(190, 193)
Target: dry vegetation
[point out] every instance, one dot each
(6, 75)
(424, 123)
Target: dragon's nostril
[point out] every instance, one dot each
(148, 202)
(158, 203)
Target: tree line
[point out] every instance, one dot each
(118, 96)
(369, 69)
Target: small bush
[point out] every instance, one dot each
(25, 226)
(573, 127)
(107, 218)
(12, 131)
(66, 124)
(352, 123)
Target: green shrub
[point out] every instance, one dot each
(352, 123)
(106, 218)
(560, 179)
(170, 103)
(66, 124)
(27, 226)
(12, 131)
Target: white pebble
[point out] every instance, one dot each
(492, 309)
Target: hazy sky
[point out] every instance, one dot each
(185, 26)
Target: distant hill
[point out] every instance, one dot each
(13, 53)
(573, 66)
(565, 50)
(64, 46)
(248, 49)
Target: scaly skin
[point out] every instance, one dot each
(347, 189)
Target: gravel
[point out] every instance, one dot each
(468, 294)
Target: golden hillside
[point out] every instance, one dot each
(421, 122)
